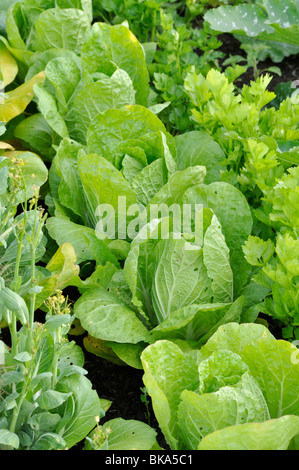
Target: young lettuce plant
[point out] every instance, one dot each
(235, 393)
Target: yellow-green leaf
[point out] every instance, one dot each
(5, 146)
(64, 271)
(8, 66)
(18, 99)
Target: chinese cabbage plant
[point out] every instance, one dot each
(170, 285)
(238, 392)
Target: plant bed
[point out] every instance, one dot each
(149, 254)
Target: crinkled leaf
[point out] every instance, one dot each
(113, 128)
(97, 97)
(200, 415)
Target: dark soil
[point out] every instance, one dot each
(289, 67)
(121, 385)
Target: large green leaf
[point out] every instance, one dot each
(107, 317)
(248, 18)
(173, 191)
(148, 181)
(198, 148)
(103, 183)
(217, 262)
(179, 277)
(70, 189)
(271, 362)
(197, 322)
(65, 231)
(14, 26)
(49, 109)
(97, 97)
(64, 73)
(8, 438)
(128, 353)
(79, 411)
(36, 132)
(277, 373)
(137, 274)
(234, 336)
(119, 45)
(274, 434)
(41, 59)
(61, 28)
(125, 434)
(50, 399)
(112, 131)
